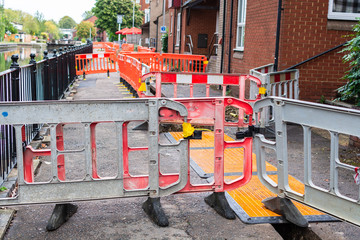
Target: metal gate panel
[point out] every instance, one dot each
(309, 115)
(86, 113)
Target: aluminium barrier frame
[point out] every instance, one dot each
(309, 115)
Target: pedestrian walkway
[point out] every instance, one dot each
(99, 86)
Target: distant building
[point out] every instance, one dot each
(18, 26)
(101, 36)
(68, 33)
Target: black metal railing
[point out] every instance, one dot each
(47, 79)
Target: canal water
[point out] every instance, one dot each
(24, 55)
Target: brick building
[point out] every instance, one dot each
(307, 30)
(156, 21)
(101, 36)
(283, 32)
(193, 26)
(145, 30)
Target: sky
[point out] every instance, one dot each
(52, 9)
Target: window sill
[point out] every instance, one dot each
(238, 54)
(340, 25)
(238, 49)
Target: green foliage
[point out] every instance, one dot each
(39, 17)
(87, 15)
(67, 22)
(351, 90)
(52, 29)
(83, 29)
(164, 43)
(107, 10)
(83, 40)
(3, 189)
(30, 25)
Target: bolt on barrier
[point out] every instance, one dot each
(120, 112)
(336, 121)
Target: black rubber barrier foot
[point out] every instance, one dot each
(61, 213)
(153, 209)
(218, 202)
(287, 209)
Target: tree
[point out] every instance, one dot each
(107, 10)
(39, 17)
(30, 25)
(52, 29)
(87, 15)
(351, 90)
(67, 22)
(83, 29)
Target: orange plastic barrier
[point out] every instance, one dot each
(131, 71)
(95, 63)
(143, 49)
(127, 47)
(169, 62)
(108, 47)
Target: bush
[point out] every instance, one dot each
(83, 40)
(164, 43)
(351, 90)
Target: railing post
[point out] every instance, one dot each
(47, 78)
(36, 128)
(15, 96)
(61, 76)
(33, 77)
(55, 83)
(15, 80)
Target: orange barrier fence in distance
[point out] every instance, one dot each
(95, 63)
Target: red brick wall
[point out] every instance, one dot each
(201, 22)
(260, 35)
(304, 34)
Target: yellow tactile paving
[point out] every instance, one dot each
(249, 196)
(233, 157)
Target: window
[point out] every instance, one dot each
(240, 32)
(138, 1)
(147, 1)
(178, 29)
(171, 23)
(147, 15)
(344, 9)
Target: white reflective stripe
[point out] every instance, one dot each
(215, 79)
(182, 78)
(100, 55)
(89, 56)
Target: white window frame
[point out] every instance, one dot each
(178, 26)
(341, 15)
(240, 26)
(147, 1)
(146, 15)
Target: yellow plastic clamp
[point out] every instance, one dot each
(262, 90)
(188, 130)
(206, 62)
(142, 87)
